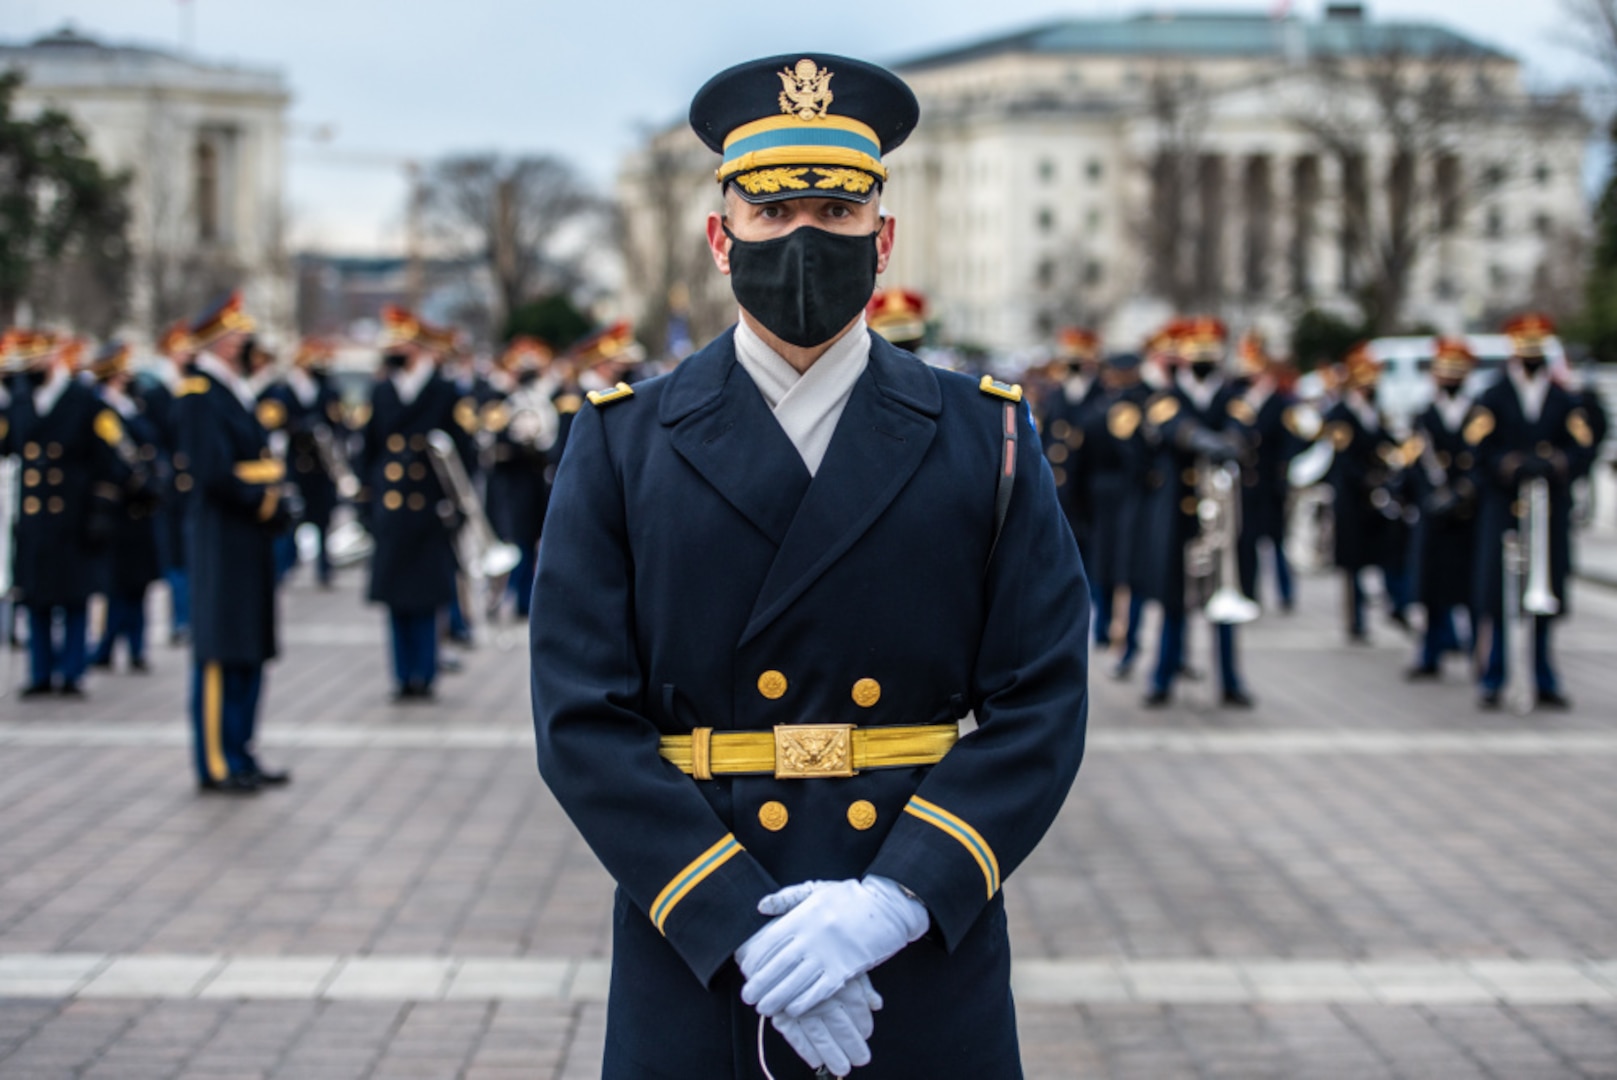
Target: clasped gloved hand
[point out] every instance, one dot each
(827, 933)
(834, 1033)
(1216, 446)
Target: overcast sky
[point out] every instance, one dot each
(582, 78)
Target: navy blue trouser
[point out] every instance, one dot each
(415, 647)
(126, 619)
(49, 656)
(179, 598)
(520, 584)
(224, 713)
(1104, 605)
(1171, 655)
(1494, 672)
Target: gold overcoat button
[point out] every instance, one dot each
(55, 505)
(392, 500)
(866, 692)
(182, 482)
(30, 478)
(54, 450)
(31, 451)
(30, 505)
(418, 442)
(53, 477)
(395, 443)
(772, 685)
(394, 472)
(773, 816)
(418, 471)
(862, 815)
(417, 501)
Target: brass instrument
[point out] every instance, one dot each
(8, 512)
(1212, 553)
(533, 421)
(482, 553)
(349, 542)
(335, 462)
(1528, 595)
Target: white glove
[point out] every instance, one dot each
(833, 1033)
(828, 932)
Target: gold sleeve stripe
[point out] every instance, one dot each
(968, 837)
(692, 876)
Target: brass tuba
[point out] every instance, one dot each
(482, 553)
(1528, 595)
(1212, 553)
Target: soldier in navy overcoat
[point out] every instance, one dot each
(156, 390)
(1444, 483)
(131, 562)
(1525, 427)
(1074, 386)
(1116, 456)
(1277, 436)
(1196, 423)
(766, 598)
(239, 507)
(521, 428)
(1366, 483)
(412, 518)
(71, 485)
(308, 408)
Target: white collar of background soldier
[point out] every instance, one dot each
(51, 390)
(226, 375)
(410, 382)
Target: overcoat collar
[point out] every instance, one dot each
(723, 428)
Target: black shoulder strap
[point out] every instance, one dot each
(1007, 478)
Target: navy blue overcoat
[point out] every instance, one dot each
(694, 575)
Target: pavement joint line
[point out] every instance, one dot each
(1357, 741)
(1190, 980)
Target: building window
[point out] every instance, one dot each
(1498, 278)
(1542, 175)
(1047, 220)
(1445, 288)
(1449, 205)
(1092, 221)
(1046, 273)
(1047, 170)
(1095, 170)
(1542, 224)
(207, 190)
(1094, 273)
(1493, 177)
(1494, 228)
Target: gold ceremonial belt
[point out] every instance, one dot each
(807, 751)
(262, 471)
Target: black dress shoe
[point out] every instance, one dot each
(1123, 670)
(1399, 619)
(1156, 699)
(1552, 699)
(37, 690)
(104, 663)
(230, 785)
(406, 694)
(1238, 699)
(72, 690)
(1421, 672)
(272, 777)
(139, 667)
(1488, 699)
(179, 637)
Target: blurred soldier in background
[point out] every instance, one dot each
(412, 518)
(240, 505)
(131, 562)
(523, 428)
(899, 315)
(1074, 385)
(1365, 478)
(1115, 459)
(1442, 479)
(1278, 435)
(175, 355)
(306, 407)
(1525, 428)
(1193, 427)
(73, 481)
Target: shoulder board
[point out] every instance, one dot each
(567, 404)
(607, 397)
(466, 415)
(1123, 419)
(1241, 411)
(1340, 432)
(271, 414)
(995, 388)
(1163, 409)
(194, 384)
(1577, 425)
(1411, 449)
(109, 427)
(1479, 427)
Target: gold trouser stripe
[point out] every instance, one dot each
(732, 752)
(213, 707)
(969, 838)
(692, 876)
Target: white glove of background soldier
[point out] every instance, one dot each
(827, 933)
(834, 1032)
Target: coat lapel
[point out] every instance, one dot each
(723, 427)
(883, 435)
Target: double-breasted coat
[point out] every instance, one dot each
(1113, 479)
(71, 486)
(1369, 527)
(1444, 475)
(133, 559)
(1504, 438)
(412, 518)
(694, 575)
(235, 514)
(282, 409)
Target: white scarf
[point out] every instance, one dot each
(410, 382)
(303, 385)
(807, 405)
(1452, 410)
(51, 391)
(1530, 392)
(222, 373)
(1200, 391)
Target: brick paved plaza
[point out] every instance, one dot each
(1359, 879)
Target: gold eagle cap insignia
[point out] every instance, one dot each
(805, 90)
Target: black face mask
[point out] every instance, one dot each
(1369, 393)
(528, 378)
(395, 361)
(1532, 365)
(804, 286)
(1448, 390)
(35, 377)
(1202, 370)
